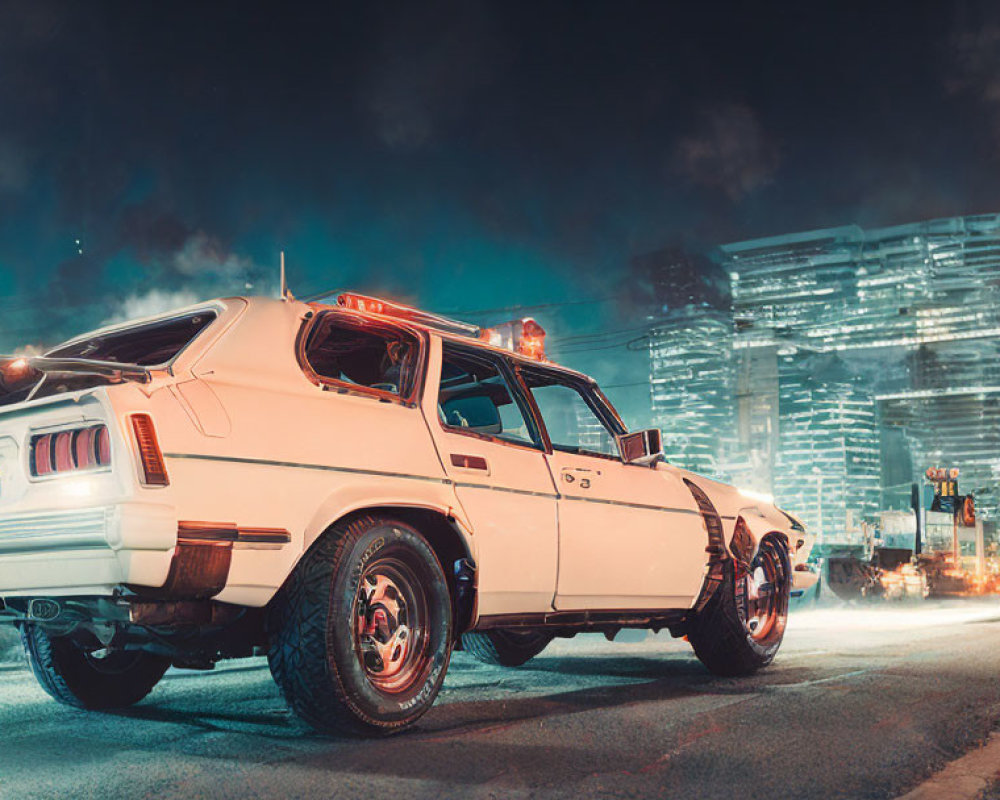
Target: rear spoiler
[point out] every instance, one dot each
(15, 368)
(22, 377)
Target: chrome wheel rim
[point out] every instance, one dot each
(763, 606)
(390, 626)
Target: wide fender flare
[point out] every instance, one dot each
(758, 525)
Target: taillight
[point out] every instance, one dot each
(41, 455)
(84, 451)
(70, 450)
(62, 449)
(154, 471)
(103, 446)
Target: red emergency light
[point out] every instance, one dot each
(524, 336)
(374, 305)
(937, 474)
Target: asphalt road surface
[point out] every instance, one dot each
(858, 704)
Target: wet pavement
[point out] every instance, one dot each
(858, 704)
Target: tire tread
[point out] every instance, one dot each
(720, 639)
(496, 648)
(298, 655)
(78, 685)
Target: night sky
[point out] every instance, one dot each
(465, 156)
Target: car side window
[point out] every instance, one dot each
(571, 422)
(475, 397)
(363, 354)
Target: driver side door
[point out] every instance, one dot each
(630, 536)
(492, 451)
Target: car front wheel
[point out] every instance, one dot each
(360, 635)
(741, 628)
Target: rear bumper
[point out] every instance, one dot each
(86, 550)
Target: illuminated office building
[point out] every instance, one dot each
(882, 343)
(590, 433)
(826, 466)
(692, 383)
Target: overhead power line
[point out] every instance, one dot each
(518, 308)
(596, 334)
(586, 347)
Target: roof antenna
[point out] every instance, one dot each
(285, 294)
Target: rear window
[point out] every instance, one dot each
(145, 345)
(363, 354)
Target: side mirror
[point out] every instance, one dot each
(641, 447)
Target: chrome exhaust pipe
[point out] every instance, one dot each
(42, 609)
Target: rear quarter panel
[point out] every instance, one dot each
(282, 452)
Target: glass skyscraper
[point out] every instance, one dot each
(691, 385)
(851, 361)
(898, 328)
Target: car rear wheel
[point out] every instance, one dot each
(741, 628)
(360, 635)
(505, 648)
(77, 677)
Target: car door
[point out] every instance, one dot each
(491, 448)
(630, 536)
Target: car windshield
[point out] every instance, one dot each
(146, 345)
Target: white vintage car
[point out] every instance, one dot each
(354, 489)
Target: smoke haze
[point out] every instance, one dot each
(465, 156)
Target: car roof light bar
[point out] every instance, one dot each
(524, 336)
(375, 305)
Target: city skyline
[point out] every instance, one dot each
(858, 359)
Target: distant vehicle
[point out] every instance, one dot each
(354, 489)
(948, 556)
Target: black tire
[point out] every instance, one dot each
(325, 631)
(75, 678)
(505, 648)
(724, 639)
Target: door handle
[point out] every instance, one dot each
(569, 477)
(469, 462)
